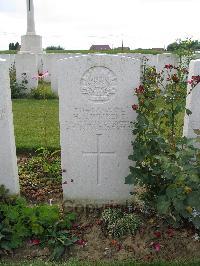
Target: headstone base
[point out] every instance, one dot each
(31, 44)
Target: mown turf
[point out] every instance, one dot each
(31, 117)
(114, 51)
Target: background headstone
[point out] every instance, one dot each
(27, 64)
(192, 121)
(8, 160)
(55, 69)
(162, 61)
(96, 94)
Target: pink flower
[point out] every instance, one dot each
(156, 246)
(41, 75)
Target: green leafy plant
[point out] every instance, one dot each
(18, 90)
(42, 224)
(165, 163)
(43, 91)
(45, 164)
(118, 223)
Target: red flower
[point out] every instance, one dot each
(194, 80)
(170, 232)
(139, 90)
(157, 234)
(81, 242)
(169, 66)
(135, 107)
(35, 241)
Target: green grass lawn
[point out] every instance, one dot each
(29, 121)
(113, 51)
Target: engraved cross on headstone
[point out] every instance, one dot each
(98, 154)
(29, 6)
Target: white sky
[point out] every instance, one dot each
(77, 24)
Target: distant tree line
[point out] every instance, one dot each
(14, 46)
(188, 44)
(55, 48)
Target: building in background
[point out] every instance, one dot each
(104, 47)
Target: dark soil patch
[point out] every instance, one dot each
(36, 189)
(153, 241)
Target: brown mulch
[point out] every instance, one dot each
(96, 245)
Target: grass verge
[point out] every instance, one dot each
(31, 119)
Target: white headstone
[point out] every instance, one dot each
(27, 66)
(55, 69)
(192, 121)
(48, 62)
(8, 160)
(96, 94)
(148, 59)
(10, 58)
(166, 59)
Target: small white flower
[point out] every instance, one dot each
(50, 202)
(195, 213)
(196, 237)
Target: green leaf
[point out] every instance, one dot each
(188, 112)
(194, 200)
(129, 180)
(163, 205)
(57, 252)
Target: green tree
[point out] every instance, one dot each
(54, 48)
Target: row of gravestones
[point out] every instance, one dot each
(32, 63)
(96, 94)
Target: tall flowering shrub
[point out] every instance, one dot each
(165, 163)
